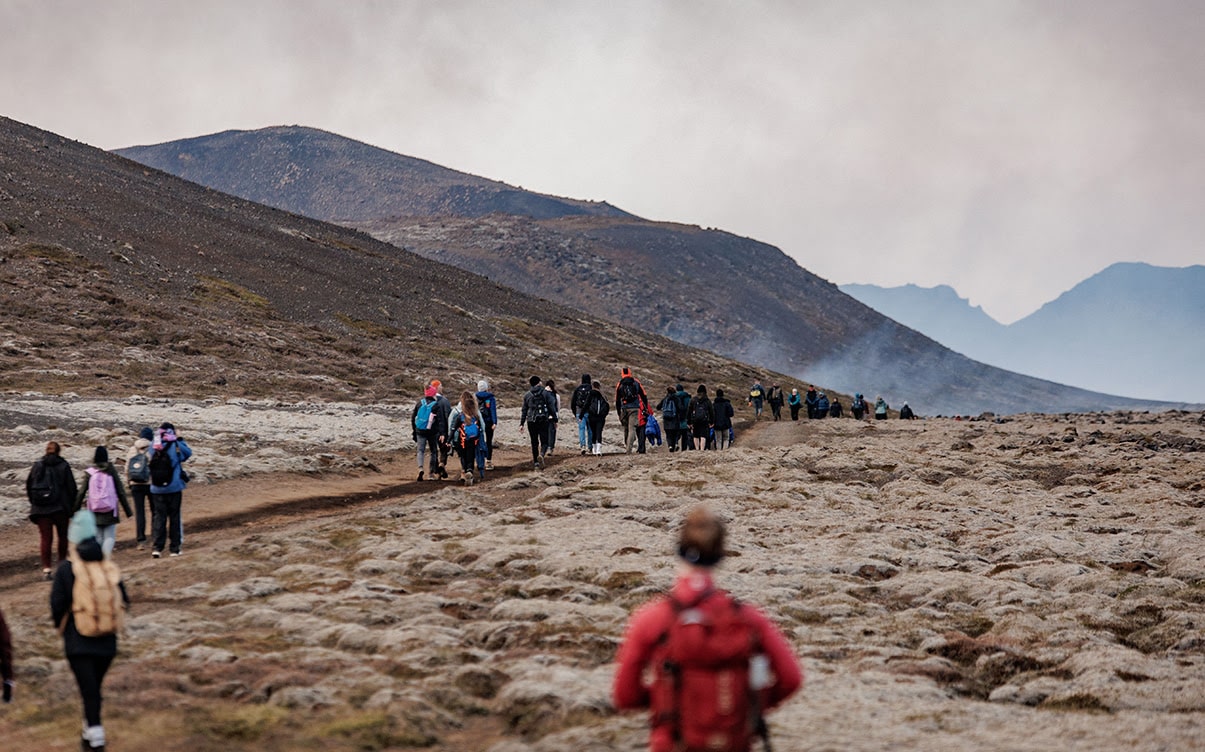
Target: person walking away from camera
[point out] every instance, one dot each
(835, 410)
(858, 406)
(487, 406)
(50, 487)
(702, 417)
(669, 418)
(536, 414)
(880, 408)
(168, 480)
(794, 402)
(101, 491)
(630, 399)
(445, 415)
(774, 397)
(598, 408)
(757, 395)
(6, 660)
(466, 431)
(906, 412)
(550, 386)
(652, 431)
(683, 398)
(138, 480)
(809, 400)
(722, 410)
(822, 406)
(706, 666)
(425, 429)
(579, 403)
(87, 605)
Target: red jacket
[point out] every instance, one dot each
(648, 624)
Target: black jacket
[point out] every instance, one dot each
(57, 473)
(537, 392)
(580, 401)
(723, 413)
(60, 606)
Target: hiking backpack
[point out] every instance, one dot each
(599, 407)
(699, 414)
(137, 468)
(669, 409)
(102, 493)
(424, 417)
(161, 467)
(467, 431)
(42, 488)
(96, 601)
(538, 408)
(704, 682)
(629, 393)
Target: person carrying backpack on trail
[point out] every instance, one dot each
(442, 440)
(723, 412)
(810, 400)
(774, 397)
(683, 398)
(87, 604)
(757, 394)
(555, 418)
(597, 409)
(906, 413)
(702, 417)
(426, 428)
(168, 480)
(880, 408)
(100, 492)
(630, 400)
(467, 432)
(487, 405)
(138, 479)
(536, 414)
(858, 406)
(669, 418)
(822, 406)
(794, 402)
(579, 404)
(51, 490)
(735, 664)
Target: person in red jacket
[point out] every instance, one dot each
(698, 638)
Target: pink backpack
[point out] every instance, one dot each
(102, 494)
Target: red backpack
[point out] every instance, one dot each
(702, 684)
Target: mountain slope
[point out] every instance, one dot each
(118, 278)
(708, 288)
(1132, 328)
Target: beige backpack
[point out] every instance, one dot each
(96, 597)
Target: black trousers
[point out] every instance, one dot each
(539, 439)
(165, 520)
(140, 492)
(89, 673)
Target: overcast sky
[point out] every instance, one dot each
(1008, 149)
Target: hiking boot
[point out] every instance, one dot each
(489, 465)
(176, 553)
(156, 554)
(443, 472)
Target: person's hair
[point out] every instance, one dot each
(701, 538)
(702, 390)
(534, 380)
(468, 403)
(52, 447)
(551, 385)
(669, 390)
(719, 393)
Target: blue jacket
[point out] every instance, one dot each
(178, 452)
(487, 407)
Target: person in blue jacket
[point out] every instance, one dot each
(487, 406)
(167, 497)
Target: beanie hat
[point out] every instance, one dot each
(429, 392)
(82, 527)
(534, 380)
(100, 456)
(483, 386)
(585, 378)
(146, 433)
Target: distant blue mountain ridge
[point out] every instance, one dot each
(1132, 329)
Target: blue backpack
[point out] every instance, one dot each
(669, 410)
(424, 419)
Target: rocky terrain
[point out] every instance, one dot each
(1031, 583)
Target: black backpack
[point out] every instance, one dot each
(599, 407)
(629, 393)
(137, 469)
(161, 467)
(700, 412)
(538, 409)
(669, 409)
(42, 488)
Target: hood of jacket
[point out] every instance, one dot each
(52, 460)
(89, 550)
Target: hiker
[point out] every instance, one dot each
(426, 428)
(858, 406)
(756, 395)
(487, 405)
(87, 601)
(669, 416)
(579, 404)
(702, 417)
(550, 387)
(6, 659)
(51, 489)
(467, 432)
(835, 410)
(536, 414)
(794, 402)
(101, 490)
(880, 408)
(168, 480)
(723, 413)
(597, 407)
(630, 400)
(822, 406)
(138, 479)
(652, 431)
(774, 397)
(906, 413)
(445, 414)
(732, 660)
(809, 400)
(683, 398)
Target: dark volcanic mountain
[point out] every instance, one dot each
(115, 278)
(706, 288)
